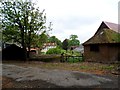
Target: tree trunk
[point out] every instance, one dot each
(23, 45)
(29, 42)
(22, 38)
(25, 36)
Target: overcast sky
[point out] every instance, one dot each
(79, 17)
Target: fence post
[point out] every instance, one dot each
(82, 57)
(79, 58)
(62, 58)
(73, 58)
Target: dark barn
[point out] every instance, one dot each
(104, 46)
(13, 52)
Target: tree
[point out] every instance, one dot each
(21, 22)
(73, 37)
(39, 40)
(73, 41)
(65, 44)
(54, 39)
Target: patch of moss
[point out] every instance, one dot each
(106, 36)
(112, 36)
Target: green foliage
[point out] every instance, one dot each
(65, 44)
(73, 37)
(76, 53)
(54, 51)
(63, 51)
(106, 36)
(112, 36)
(75, 59)
(107, 67)
(22, 22)
(72, 56)
(39, 40)
(73, 41)
(69, 52)
(54, 39)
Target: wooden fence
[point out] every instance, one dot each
(71, 58)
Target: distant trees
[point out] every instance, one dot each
(39, 40)
(65, 44)
(54, 39)
(73, 41)
(22, 22)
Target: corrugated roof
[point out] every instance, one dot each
(113, 26)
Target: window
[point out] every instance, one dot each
(94, 48)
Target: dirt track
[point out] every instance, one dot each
(31, 77)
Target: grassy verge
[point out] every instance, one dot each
(75, 59)
(96, 68)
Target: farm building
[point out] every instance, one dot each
(79, 48)
(47, 46)
(13, 52)
(104, 46)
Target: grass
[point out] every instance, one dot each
(75, 59)
(57, 58)
(96, 68)
(110, 67)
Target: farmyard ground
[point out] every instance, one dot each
(50, 75)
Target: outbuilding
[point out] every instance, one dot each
(13, 52)
(104, 46)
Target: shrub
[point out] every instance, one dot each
(54, 51)
(69, 52)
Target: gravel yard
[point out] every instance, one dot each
(35, 77)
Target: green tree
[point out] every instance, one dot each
(73, 37)
(21, 22)
(54, 39)
(73, 41)
(39, 40)
(65, 44)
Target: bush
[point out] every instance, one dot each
(54, 51)
(69, 52)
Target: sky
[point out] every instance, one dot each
(78, 17)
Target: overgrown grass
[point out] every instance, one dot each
(110, 67)
(96, 68)
(75, 59)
